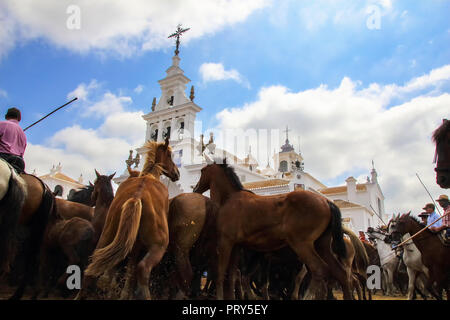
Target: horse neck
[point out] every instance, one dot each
(102, 204)
(221, 189)
(423, 239)
(384, 251)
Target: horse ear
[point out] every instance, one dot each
(90, 183)
(408, 213)
(97, 174)
(166, 144)
(112, 176)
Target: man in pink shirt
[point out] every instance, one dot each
(13, 141)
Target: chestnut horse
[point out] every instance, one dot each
(441, 137)
(299, 219)
(435, 256)
(136, 224)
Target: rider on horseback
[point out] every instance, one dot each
(13, 140)
(445, 204)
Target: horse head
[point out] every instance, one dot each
(441, 137)
(102, 185)
(159, 160)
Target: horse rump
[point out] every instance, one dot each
(336, 231)
(108, 257)
(10, 209)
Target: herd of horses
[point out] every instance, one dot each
(138, 243)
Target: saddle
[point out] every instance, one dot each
(444, 239)
(15, 162)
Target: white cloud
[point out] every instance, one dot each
(117, 26)
(343, 129)
(83, 90)
(80, 150)
(110, 104)
(139, 89)
(215, 72)
(3, 93)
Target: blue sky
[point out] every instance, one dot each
(297, 46)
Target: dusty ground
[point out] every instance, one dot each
(6, 292)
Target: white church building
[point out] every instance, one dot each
(361, 204)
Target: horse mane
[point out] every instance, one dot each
(422, 225)
(440, 132)
(231, 174)
(150, 167)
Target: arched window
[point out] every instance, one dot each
(154, 133)
(58, 190)
(283, 166)
(166, 131)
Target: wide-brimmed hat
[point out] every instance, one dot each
(423, 214)
(429, 205)
(442, 197)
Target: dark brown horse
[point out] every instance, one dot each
(189, 215)
(441, 137)
(102, 196)
(302, 220)
(72, 241)
(82, 195)
(136, 225)
(435, 256)
(12, 197)
(38, 207)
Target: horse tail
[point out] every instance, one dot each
(33, 243)
(359, 247)
(10, 209)
(336, 231)
(106, 258)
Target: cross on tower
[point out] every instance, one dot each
(287, 130)
(177, 34)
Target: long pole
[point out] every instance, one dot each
(49, 114)
(379, 217)
(419, 232)
(429, 195)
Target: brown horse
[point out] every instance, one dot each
(136, 224)
(189, 215)
(435, 256)
(69, 209)
(38, 207)
(12, 197)
(360, 262)
(72, 241)
(441, 137)
(102, 196)
(299, 219)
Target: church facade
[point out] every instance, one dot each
(174, 116)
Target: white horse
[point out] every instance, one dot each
(388, 259)
(417, 273)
